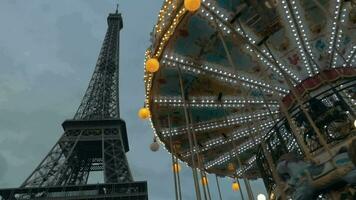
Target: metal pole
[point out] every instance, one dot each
(204, 184)
(274, 120)
(248, 188)
(296, 134)
(269, 158)
(238, 182)
(174, 164)
(218, 186)
(196, 182)
(247, 184)
(200, 163)
(273, 170)
(179, 186)
(207, 188)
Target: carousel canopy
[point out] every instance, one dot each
(226, 68)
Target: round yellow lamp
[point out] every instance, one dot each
(144, 113)
(204, 180)
(176, 168)
(192, 5)
(235, 186)
(152, 65)
(355, 123)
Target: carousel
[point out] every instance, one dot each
(251, 89)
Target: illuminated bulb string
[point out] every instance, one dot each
(271, 66)
(225, 29)
(232, 120)
(220, 74)
(236, 135)
(336, 34)
(350, 59)
(349, 97)
(206, 102)
(262, 56)
(291, 15)
(233, 153)
(250, 163)
(300, 25)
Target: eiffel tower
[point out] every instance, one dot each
(94, 140)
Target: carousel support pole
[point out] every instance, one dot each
(280, 138)
(267, 154)
(198, 156)
(321, 138)
(248, 187)
(296, 134)
(337, 93)
(204, 184)
(301, 106)
(208, 189)
(249, 190)
(246, 182)
(242, 196)
(179, 185)
(270, 160)
(218, 186)
(274, 171)
(174, 164)
(343, 100)
(195, 175)
(284, 110)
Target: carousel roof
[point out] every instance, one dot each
(238, 60)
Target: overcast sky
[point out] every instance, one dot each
(48, 50)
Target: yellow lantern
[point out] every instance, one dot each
(235, 186)
(192, 5)
(144, 113)
(176, 167)
(204, 180)
(152, 65)
(355, 123)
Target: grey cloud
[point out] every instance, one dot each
(77, 44)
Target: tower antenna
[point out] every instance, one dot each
(117, 7)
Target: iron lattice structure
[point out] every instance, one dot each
(95, 140)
